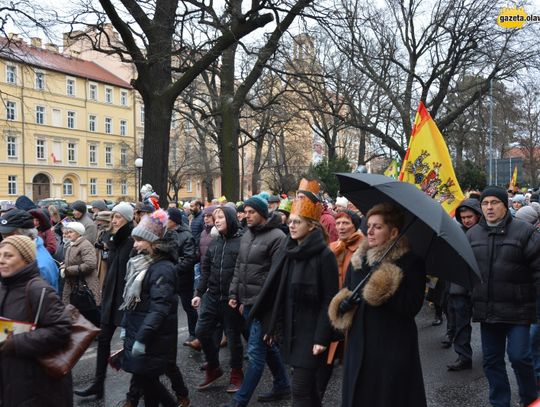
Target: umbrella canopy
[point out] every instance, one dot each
(433, 235)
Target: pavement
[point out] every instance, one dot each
(443, 389)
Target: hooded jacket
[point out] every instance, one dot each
(187, 257)
(259, 247)
(46, 264)
(44, 230)
(217, 266)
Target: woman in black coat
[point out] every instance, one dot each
(23, 382)
(150, 304)
(296, 296)
(382, 362)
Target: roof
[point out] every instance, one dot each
(54, 61)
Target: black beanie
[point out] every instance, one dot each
(175, 215)
(259, 204)
(79, 206)
(497, 192)
(355, 219)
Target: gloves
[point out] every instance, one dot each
(122, 334)
(349, 303)
(138, 349)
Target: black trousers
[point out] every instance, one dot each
(104, 350)
(304, 388)
(154, 392)
(173, 373)
(185, 299)
(459, 325)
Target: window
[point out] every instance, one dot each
(40, 115)
(68, 186)
(40, 149)
(71, 120)
(93, 91)
(57, 153)
(142, 114)
(108, 95)
(11, 74)
(10, 110)
(56, 117)
(12, 184)
(123, 187)
(92, 154)
(71, 152)
(189, 186)
(12, 147)
(108, 184)
(93, 186)
(108, 125)
(70, 87)
(123, 98)
(40, 80)
(108, 155)
(92, 122)
(123, 157)
(123, 127)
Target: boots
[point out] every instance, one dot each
(194, 344)
(183, 401)
(95, 389)
(237, 377)
(212, 373)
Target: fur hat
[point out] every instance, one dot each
(104, 216)
(497, 192)
(76, 227)
(342, 201)
(16, 219)
(24, 245)
(259, 204)
(124, 209)
(152, 226)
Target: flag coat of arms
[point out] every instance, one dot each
(427, 163)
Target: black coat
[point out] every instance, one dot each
(295, 297)
(120, 246)
(23, 382)
(197, 226)
(382, 362)
(153, 322)
(509, 260)
(187, 257)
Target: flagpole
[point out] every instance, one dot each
(510, 171)
(491, 132)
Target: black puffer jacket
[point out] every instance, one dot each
(259, 247)
(154, 320)
(187, 257)
(509, 262)
(217, 267)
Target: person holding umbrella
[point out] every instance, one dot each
(382, 361)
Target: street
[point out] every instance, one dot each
(443, 389)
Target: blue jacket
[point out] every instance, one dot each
(46, 264)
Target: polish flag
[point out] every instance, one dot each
(54, 158)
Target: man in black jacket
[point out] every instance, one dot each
(506, 250)
(120, 246)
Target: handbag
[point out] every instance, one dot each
(82, 297)
(83, 332)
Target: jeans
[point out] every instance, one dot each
(459, 317)
(258, 353)
(304, 388)
(213, 313)
(494, 342)
(535, 342)
(197, 275)
(192, 316)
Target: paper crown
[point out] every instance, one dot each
(310, 188)
(307, 208)
(285, 205)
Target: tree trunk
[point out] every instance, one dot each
(362, 148)
(256, 172)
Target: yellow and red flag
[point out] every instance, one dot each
(427, 163)
(513, 182)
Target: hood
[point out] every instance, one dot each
(230, 218)
(273, 222)
(24, 203)
(469, 203)
(44, 221)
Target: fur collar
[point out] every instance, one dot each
(374, 254)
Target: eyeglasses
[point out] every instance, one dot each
(294, 222)
(492, 203)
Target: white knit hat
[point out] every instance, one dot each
(76, 227)
(124, 209)
(342, 201)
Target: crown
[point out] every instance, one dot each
(310, 186)
(307, 208)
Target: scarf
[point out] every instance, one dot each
(136, 271)
(341, 245)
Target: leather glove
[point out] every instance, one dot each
(138, 349)
(349, 303)
(122, 334)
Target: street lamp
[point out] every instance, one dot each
(138, 165)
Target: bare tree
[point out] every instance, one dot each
(528, 138)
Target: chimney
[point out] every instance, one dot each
(51, 47)
(71, 38)
(35, 42)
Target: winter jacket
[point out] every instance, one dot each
(154, 320)
(81, 262)
(296, 295)
(328, 220)
(204, 241)
(382, 361)
(44, 230)
(46, 264)
(23, 382)
(120, 246)
(259, 247)
(509, 262)
(90, 228)
(197, 226)
(217, 266)
(187, 257)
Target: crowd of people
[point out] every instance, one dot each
(274, 279)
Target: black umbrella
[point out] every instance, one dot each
(432, 234)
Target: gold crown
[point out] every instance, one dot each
(310, 186)
(306, 208)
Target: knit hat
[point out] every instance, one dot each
(124, 209)
(342, 201)
(24, 245)
(104, 216)
(259, 204)
(346, 213)
(528, 214)
(274, 199)
(152, 226)
(76, 227)
(15, 219)
(175, 215)
(209, 210)
(79, 206)
(99, 204)
(497, 192)
(519, 198)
